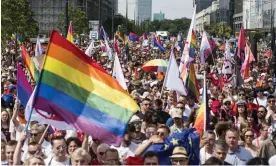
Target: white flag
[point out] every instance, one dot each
(118, 72)
(227, 66)
(90, 49)
(43, 117)
(38, 48)
(172, 80)
(204, 46)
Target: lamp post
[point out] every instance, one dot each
(66, 19)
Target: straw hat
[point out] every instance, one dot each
(179, 152)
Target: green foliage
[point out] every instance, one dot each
(173, 26)
(218, 30)
(79, 20)
(16, 16)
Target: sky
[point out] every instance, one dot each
(173, 9)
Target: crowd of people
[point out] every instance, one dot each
(242, 126)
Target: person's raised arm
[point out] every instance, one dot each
(18, 150)
(15, 112)
(143, 147)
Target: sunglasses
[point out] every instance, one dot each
(34, 151)
(160, 133)
(34, 134)
(101, 153)
(271, 101)
(227, 103)
(241, 94)
(249, 136)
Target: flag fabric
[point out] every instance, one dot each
(268, 53)
(38, 48)
(103, 33)
(127, 48)
(172, 80)
(29, 63)
(25, 91)
(192, 83)
(119, 37)
(241, 43)
(227, 66)
(145, 36)
(116, 47)
(204, 46)
(159, 39)
(249, 57)
(202, 118)
(82, 94)
(188, 139)
(89, 50)
(70, 33)
(189, 51)
(133, 37)
(156, 44)
(118, 72)
(19, 38)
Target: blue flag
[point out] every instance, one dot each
(156, 44)
(188, 139)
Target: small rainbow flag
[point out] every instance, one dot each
(82, 94)
(127, 48)
(192, 83)
(19, 38)
(202, 119)
(118, 36)
(29, 63)
(133, 37)
(70, 33)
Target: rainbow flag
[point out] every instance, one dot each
(24, 89)
(192, 83)
(82, 94)
(70, 33)
(202, 118)
(29, 63)
(19, 38)
(119, 37)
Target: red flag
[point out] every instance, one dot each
(241, 41)
(268, 53)
(249, 57)
(115, 45)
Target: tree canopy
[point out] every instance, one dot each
(16, 16)
(79, 20)
(218, 30)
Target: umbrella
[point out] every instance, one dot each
(156, 65)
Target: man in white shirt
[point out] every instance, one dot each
(260, 99)
(190, 106)
(59, 153)
(127, 147)
(207, 150)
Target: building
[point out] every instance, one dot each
(47, 13)
(158, 16)
(266, 14)
(143, 10)
(202, 4)
(238, 16)
(204, 17)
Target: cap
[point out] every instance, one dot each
(226, 99)
(179, 152)
(135, 118)
(145, 94)
(176, 113)
(241, 102)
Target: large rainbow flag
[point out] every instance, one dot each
(202, 119)
(80, 92)
(29, 63)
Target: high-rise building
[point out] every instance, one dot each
(158, 16)
(47, 13)
(202, 4)
(143, 10)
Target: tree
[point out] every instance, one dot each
(218, 30)
(79, 20)
(16, 16)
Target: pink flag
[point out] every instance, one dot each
(249, 57)
(268, 53)
(241, 41)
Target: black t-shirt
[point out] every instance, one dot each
(7, 133)
(162, 117)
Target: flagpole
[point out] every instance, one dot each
(66, 19)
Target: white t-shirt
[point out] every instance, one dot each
(19, 130)
(272, 160)
(188, 109)
(125, 152)
(46, 148)
(260, 102)
(204, 155)
(51, 161)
